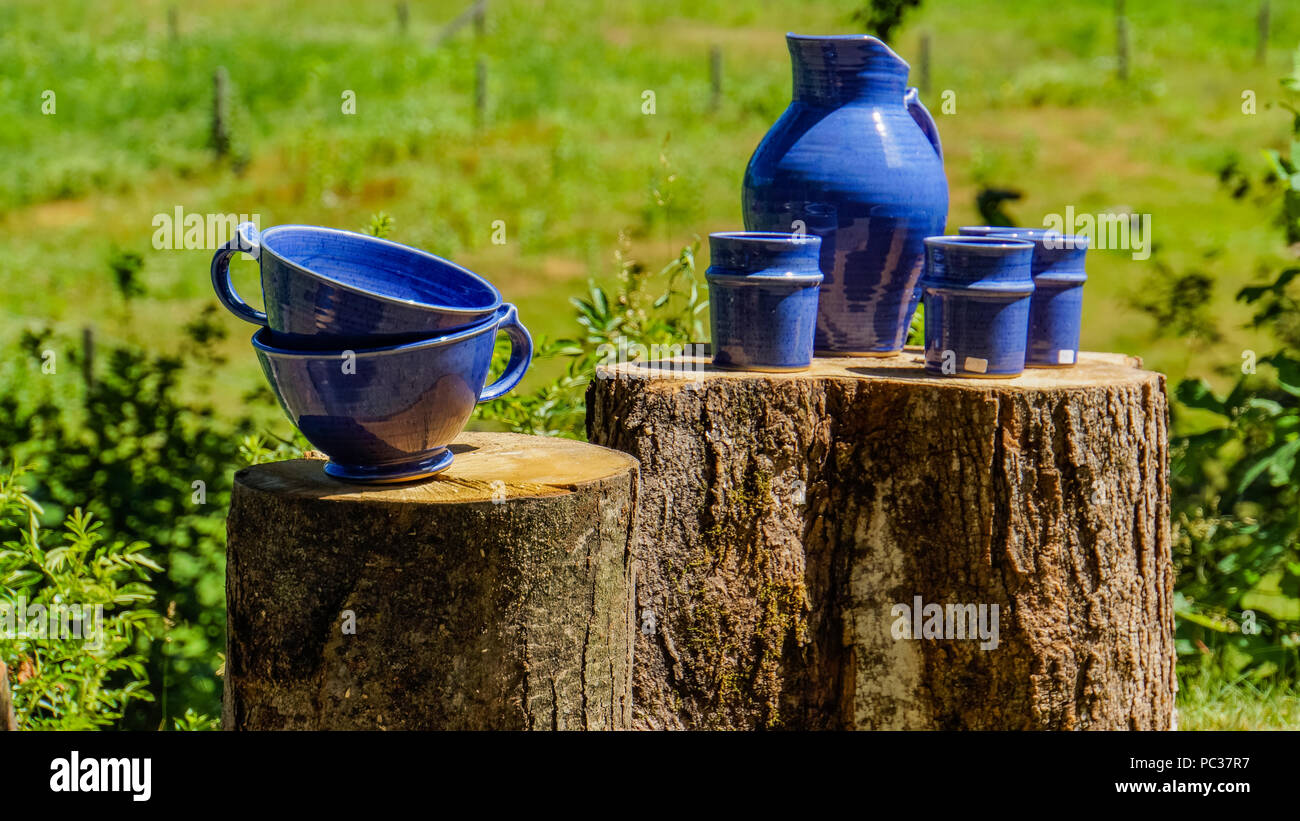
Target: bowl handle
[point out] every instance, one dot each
(245, 240)
(521, 355)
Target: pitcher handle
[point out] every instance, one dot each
(912, 99)
(521, 355)
(245, 240)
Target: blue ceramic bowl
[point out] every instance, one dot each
(977, 292)
(329, 289)
(1056, 310)
(763, 299)
(387, 414)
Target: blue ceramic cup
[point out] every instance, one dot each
(763, 299)
(977, 292)
(1056, 311)
(325, 289)
(387, 414)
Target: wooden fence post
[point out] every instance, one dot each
(476, 14)
(715, 78)
(480, 92)
(220, 125)
(925, 64)
(1261, 45)
(1121, 41)
(88, 355)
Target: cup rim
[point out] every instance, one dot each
(766, 237)
(778, 242)
(1034, 235)
(493, 322)
(977, 243)
(262, 237)
(763, 279)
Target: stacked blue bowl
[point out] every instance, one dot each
(377, 352)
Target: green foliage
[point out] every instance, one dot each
(126, 266)
(153, 467)
(916, 330)
(1236, 507)
(1285, 169)
(260, 448)
(1179, 303)
(1236, 494)
(87, 677)
(193, 721)
(881, 17)
(381, 225)
(646, 308)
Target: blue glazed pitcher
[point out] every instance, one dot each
(856, 160)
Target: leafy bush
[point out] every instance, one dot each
(1236, 490)
(1236, 507)
(646, 307)
(152, 467)
(88, 677)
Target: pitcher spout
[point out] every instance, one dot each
(829, 69)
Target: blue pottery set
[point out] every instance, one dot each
(856, 160)
(1056, 311)
(977, 293)
(377, 352)
(763, 295)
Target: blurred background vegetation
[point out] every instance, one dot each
(536, 117)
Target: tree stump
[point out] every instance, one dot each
(494, 596)
(7, 720)
(784, 520)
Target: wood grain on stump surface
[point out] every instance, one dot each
(1092, 369)
(492, 596)
(784, 517)
(524, 465)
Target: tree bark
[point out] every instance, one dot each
(494, 596)
(8, 722)
(783, 517)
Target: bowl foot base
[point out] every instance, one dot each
(411, 471)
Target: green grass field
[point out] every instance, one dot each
(569, 162)
(566, 157)
(1210, 703)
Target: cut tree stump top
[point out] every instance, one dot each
(525, 465)
(1092, 370)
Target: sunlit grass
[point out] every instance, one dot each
(1207, 702)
